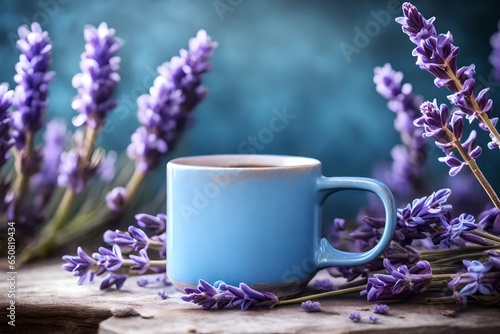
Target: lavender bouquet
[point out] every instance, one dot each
(60, 189)
(451, 258)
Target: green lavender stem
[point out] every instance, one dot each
(472, 100)
(474, 168)
(322, 295)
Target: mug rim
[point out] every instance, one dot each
(244, 161)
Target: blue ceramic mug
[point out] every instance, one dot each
(256, 219)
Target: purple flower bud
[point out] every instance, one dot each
(415, 25)
(107, 168)
(141, 262)
(355, 316)
(489, 221)
(381, 309)
(97, 82)
(31, 93)
(109, 259)
(324, 285)
(373, 319)
(115, 199)
(6, 141)
(80, 265)
(310, 306)
(222, 295)
(156, 224)
(113, 279)
(399, 282)
(163, 294)
(166, 111)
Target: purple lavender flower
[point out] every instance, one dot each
(113, 279)
(457, 232)
(109, 259)
(381, 309)
(494, 258)
(437, 55)
(5, 141)
(141, 261)
(115, 199)
(222, 295)
(31, 93)
(476, 271)
(495, 54)
(166, 111)
(107, 167)
(45, 180)
(415, 25)
(163, 294)
(161, 278)
(135, 240)
(407, 158)
(81, 265)
(373, 319)
(489, 221)
(446, 133)
(324, 285)
(71, 172)
(418, 218)
(400, 281)
(355, 316)
(156, 224)
(310, 306)
(97, 82)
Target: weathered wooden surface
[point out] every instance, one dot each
(49, 301)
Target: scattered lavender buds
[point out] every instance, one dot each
(310, 306)
(97, 82)
(324, 285)
(222, 295)
(381, 309)
(355, 316)
(163, 294)
(373, 319)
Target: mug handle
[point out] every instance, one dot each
(328, 256)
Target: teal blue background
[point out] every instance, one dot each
(271, 54)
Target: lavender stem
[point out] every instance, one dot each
(483, 116)
(474, 168)
(22, 179)
(133, 186)
(322, 295)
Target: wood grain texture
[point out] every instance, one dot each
(48, 300)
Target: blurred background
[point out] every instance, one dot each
(302, 58)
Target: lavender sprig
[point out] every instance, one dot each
(447, 132)
(30, 100)
(437, 55)
(399, 282)
(6, 142)
(222, 295)
(409, 157)
(166, 111)
(310, 306)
